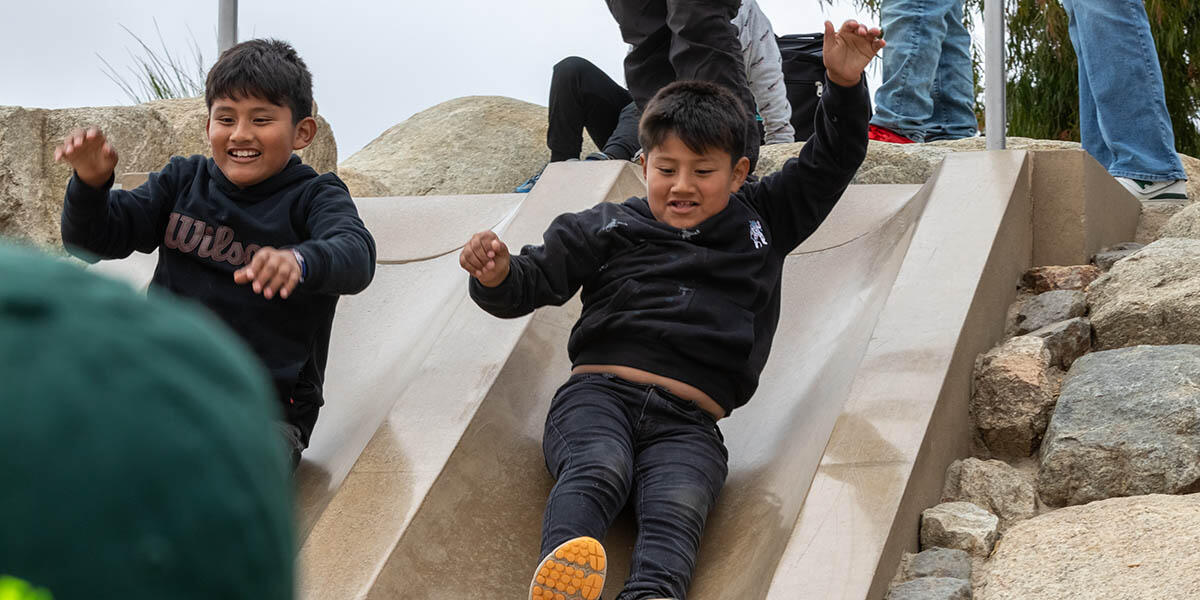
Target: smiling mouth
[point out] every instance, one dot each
(682, 205)
(244, 153)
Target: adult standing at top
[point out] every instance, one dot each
(684, 39)
(1123, 119)
(928, 92)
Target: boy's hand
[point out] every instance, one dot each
(90, 154)
(271, 271)
(486, 258)
(849, 50)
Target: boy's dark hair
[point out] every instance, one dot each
(268, 69)
(702, 114)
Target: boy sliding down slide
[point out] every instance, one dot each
(253, 234)
(681, 293)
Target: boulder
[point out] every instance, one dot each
(960, 526)
(1014, 391)
(145, 136)
(1155, 216)
(932, 588)
(1127, 423)
(1152, 297)
(1066, 340)
(1120, 549)
(471, 145)
(1109, 256)
(1183, 224)
(1045, 279)
(935, 562)
(992, 485)
(1050, 307)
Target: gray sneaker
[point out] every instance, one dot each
(1156, 191)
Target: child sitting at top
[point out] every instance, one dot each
(253, 234)
(681, 296)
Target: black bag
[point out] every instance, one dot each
(804, 76)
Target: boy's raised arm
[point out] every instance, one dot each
(339, 256)
(797, 199)
(512, 286)
(108, 223)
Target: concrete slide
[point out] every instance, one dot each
(428, 452)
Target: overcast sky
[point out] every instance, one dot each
(374, 63)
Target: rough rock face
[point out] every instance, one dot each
(1155, 216)
(1120, 549)
(1045, 279)
(992, 485)
(471, 145)
(1066, 340)
(932, 588)
(1184, 224)
(145, 136)
(961, 526)
(935, 562)
(1127, 423)
(1015, 387)
(1109, 256)
(1152, 297)
(1050, 307)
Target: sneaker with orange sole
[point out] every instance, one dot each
(573, 571)
(881, 134)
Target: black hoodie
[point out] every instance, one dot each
(696, 305)
(205, 228)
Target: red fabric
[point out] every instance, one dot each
(880, 134)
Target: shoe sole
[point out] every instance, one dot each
(573, 571)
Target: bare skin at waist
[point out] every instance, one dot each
(679, 388)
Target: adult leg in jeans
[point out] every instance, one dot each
(582, 97)
(915, 31)
(679, 470)
(1123, 119)
(953, 86)
(589, 451)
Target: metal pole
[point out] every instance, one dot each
(995, 80)
(227, 15)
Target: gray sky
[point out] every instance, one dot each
(374, 63)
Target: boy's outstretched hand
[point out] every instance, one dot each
(486, 258)
(90, 154)
(271, 271)
(849, 50)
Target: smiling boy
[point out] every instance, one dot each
(253, 234)
(681, 297)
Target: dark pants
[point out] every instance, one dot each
(608, 442)
(684, 39)
(582, 96)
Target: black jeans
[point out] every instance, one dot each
(582, 96)
(608, 442)
(685, 39)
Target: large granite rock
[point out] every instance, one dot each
(471, 145)
(992, 485)
(1050, 307)
(1121, 549)
(146, 136)
(935, 562)
(1154, 218)
(1015, 387)
(1151, 297)
(960, 526)
(932, 588)
(1066, 340)
(1183, 224)
(1127, 423)
(1074, 277)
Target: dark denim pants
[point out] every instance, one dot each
(609, 441)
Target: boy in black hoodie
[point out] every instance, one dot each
(259, 238)
(681, 295)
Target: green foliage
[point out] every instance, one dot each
(159, 74)
(1043, 84)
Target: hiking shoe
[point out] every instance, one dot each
(573, 571)
(880, 134)
(1155, 190)
(524, 188)
(597, 156)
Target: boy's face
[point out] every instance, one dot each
(685, 188)
(252, 139)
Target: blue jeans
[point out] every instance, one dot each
(927, 92)
(608, 442)
(1123, 119)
